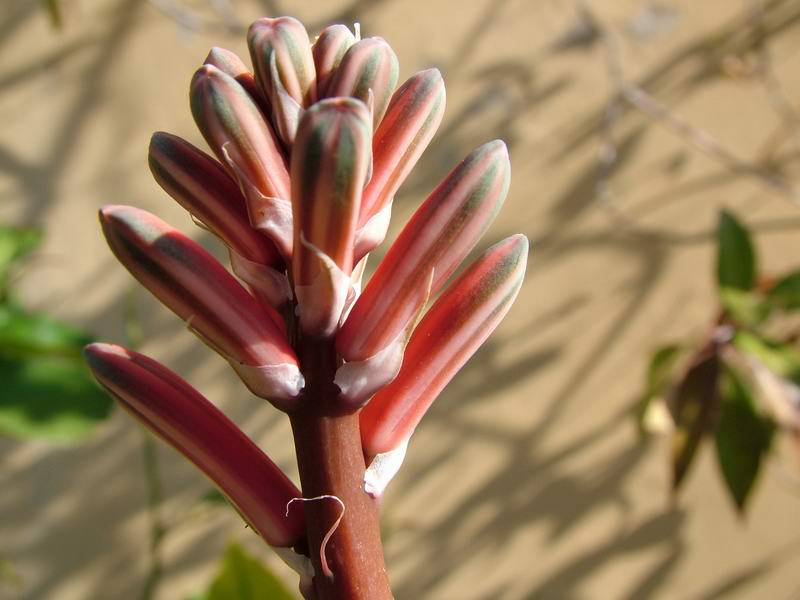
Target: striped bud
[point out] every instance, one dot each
(196, 287)
(236, 131)
(284, 67)
(178, 414)
(406, 130)
(328, 51)
(430, 247)
(230, 64)
(329, 166)
(200, 184)
(368, 71)
(452, 330)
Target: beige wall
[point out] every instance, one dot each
(528, 479)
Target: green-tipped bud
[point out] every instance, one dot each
(406, 130)
(284, 67)
(229, 63)
(328, 51)
(369, 72)
(452, 330)
(236, 131)
(330, 160)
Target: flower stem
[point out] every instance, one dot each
(331, 462)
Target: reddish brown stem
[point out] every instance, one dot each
(331, 462)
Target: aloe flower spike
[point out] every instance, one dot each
(414, 114)
(328, 51)
(449, 334)
(184, 419)
(229, 63)
(285, 72)
(368, 67)
(428, 250)
(196, 287)
(329, 166)
(236, 131)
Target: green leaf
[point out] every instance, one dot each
(245, 578)
(780, 358)
(742, 438)
(661, 372)
(51, 398)
(693, 410)
(24, 334)
(736, 260)
(747, 308)
(786, 293)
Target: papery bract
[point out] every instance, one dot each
(183, 418)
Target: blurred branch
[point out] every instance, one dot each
(625, 92)
(776, 94)
(192, 22)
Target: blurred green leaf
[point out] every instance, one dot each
(661, 373)
(24, 334)
(747, 308)
(780, 358)
(51, 398)
(214, 496)
(786, 293)
(244, 578)
(693, 409)
(742, 438)
(736, 261)
(15, 244)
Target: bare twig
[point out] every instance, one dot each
(660, 113)
(776, 94)
(192, 22)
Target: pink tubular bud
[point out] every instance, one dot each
(330, 159)
(328, 51)
(196, 287)
(428, 250)
(178, 414)
(200, 184)
(236, 131)
(449, 334)
(284, 67)
(230, 64)
(368, 68)
(414, 114)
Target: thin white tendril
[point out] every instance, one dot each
(323, 561)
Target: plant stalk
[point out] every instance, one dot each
(331, 463)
